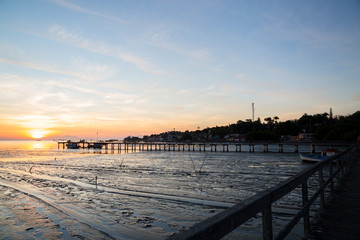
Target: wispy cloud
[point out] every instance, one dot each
(92, 70)
(320, 34)
(35, 121)
(160, 39)
(80, 9)
(59, 33)
(89, 71)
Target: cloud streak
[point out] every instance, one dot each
(159, 40)
(59, 33)
(92, 71)
(77, 8)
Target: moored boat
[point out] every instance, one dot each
(306, 157)
(72, 145)
(96, 145)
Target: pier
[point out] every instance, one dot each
(340, 220)
(341, 217)
(201, 147)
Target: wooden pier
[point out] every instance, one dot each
(341, 217)
(209, 146)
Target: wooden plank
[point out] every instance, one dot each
(267, 223)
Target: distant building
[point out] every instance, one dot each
(306, 137)
(235, 138)
(289, 138)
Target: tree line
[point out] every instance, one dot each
(322, 127)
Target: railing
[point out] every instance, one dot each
(228, 220)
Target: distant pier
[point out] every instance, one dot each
(201, 147)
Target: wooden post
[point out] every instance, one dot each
(267, 223)
(322, 193)
(304, 202)
(331, 176)
(338, 176)
(281, 149)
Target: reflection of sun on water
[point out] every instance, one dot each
(37, 145)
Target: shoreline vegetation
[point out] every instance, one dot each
(317, 127)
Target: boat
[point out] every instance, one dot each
(72, 145)
(306, 157)
(96, 145)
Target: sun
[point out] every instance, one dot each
(38, 133)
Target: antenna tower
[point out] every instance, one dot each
(331, 113)
(252, 112)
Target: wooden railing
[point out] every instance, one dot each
(228, 220)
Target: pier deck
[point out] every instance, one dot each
(193, 146)
(341, 218)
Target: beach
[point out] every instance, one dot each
(50, 193)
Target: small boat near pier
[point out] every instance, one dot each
(72, 145)
(307, 157)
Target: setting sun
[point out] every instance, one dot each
(38, 133)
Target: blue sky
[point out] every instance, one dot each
(138, 67)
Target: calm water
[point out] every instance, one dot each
(131, 195)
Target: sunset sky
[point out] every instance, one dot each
(120, 68)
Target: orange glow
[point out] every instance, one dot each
(30, 127)
(38, 133)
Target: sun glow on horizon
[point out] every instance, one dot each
(38, 133)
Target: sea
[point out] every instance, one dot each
(50, 192)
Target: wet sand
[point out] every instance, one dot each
(135, 195)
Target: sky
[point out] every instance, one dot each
(116, 68)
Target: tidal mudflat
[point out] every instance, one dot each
(48, 192)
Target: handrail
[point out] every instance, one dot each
(228, 220)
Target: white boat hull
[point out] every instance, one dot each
(311, 157)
